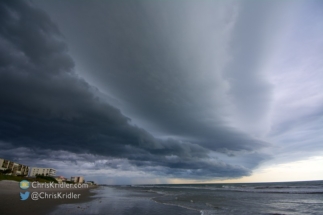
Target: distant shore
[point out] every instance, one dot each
(10, 202)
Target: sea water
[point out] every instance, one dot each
(248, 198)
(232, 199)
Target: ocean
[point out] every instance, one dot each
(206, 199)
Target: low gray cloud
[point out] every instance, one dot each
(105, 169)
(46, 105)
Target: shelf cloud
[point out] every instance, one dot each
(174, 90)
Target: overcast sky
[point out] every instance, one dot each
(161, 91)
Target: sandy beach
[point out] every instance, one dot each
(10, 202)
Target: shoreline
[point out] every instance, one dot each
(10, 202)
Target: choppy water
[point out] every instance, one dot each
(232, 199)
(256, 198)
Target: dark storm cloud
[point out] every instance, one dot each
(45, 105)
(212, 75)
(164, 61)
(89, 163)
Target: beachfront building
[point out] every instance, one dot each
(42, 171)
(12, 168)
(77, 179)
(60, 179)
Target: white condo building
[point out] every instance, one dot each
(42, 171)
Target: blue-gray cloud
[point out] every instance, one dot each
(189, 95)
(46, 105)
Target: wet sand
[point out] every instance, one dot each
(10, 202)
(110, 200)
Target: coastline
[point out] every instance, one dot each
(10, 202)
